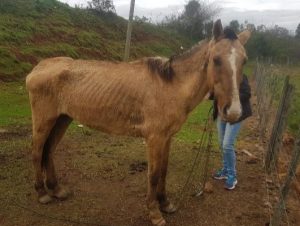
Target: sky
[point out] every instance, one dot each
(285, 13)
(242, 5)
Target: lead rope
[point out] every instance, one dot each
(203, 154)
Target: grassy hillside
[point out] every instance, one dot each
(34, 29)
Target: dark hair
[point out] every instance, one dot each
(230, 34)
(161, 67)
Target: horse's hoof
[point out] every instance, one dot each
(45, 199)
(61, 193)
(158, 222)
(170, 208)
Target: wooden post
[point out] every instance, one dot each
(279, 125)
(276, 219)
(129, 30)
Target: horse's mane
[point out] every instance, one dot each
(230, 34)
(163, 66)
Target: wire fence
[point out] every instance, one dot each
(274, 98)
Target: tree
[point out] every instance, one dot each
(251, 27)
(298, 31)
(195, 17)
(279, 32)
(235, 26)
(261, 28)
(102, 6)
(194, 21)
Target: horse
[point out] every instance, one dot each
(150, 98)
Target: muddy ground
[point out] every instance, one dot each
(107, 175)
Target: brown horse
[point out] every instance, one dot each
(149, 98)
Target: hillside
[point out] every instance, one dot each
(31, 30)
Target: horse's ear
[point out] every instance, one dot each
(217, 29)
(244, 36)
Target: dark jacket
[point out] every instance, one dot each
(245, 95)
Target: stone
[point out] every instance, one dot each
(208, 187)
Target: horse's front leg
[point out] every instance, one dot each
(155, 150)
(165, 205)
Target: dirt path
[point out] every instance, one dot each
(108, 178)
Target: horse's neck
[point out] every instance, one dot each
(192, 76)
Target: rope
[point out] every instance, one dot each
(206, 138)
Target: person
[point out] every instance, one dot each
(227, 134)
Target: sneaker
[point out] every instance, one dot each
(230, 183)
(220, 174)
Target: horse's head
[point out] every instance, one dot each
(225, 59)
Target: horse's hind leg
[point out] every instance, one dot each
(54, 138)
(41, 130)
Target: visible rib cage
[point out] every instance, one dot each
(150, 98)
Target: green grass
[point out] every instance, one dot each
(14, 105)
(192, 130)
(279, 72)
(294, 114)
(35, 29)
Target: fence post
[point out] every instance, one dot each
(276, 219)
(129, 30)
(278, 128)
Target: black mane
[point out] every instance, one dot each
(162, 67)
(230, 34)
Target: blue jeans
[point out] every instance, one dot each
(227, 135)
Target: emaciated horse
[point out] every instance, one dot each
(148, 98)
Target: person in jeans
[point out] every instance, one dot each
(227, 134)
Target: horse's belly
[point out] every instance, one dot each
(108, 120)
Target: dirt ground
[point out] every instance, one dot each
(107, 176)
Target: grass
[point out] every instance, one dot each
(294, 113)
(35, 29)
(278, 73)
(14, 105)
(192, 130)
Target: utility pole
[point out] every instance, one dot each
(129, 29)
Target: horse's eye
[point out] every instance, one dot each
(217, 61)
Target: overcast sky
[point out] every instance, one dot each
(240, 4)
(284, 13)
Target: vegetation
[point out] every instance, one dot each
(294, 113)
(298, 31)
(14, 105)
(102, 6)
(195, 21)
(274, 44)
(31, 30)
